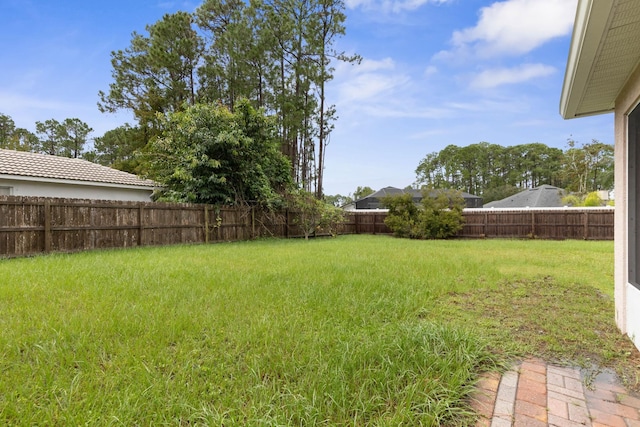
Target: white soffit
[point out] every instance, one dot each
(605, 50)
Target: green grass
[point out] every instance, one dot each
(359, 330)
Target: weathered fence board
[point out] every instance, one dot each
(33, 225)
(551, 223)
(573, 223)
(370, 222)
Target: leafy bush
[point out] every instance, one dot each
(593, 199)
(439, 215)
(331, 219)
(209, 154)
(403, 215)
(315, 215)
(572, 200)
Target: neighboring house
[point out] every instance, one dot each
(351, 206)
(603, 76)
(32, 174)
(544, 196)
(373, 201)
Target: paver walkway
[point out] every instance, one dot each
(535, 393)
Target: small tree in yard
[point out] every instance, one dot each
(210, 154)
(441, 216)
(332, 218)
(438, 216)
(403, 215)
(314, 214)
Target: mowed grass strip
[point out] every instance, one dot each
(358, 330)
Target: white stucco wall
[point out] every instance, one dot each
(633, 314)
(77, 190)
(627, 297)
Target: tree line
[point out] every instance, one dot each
(66, 138)
(494, 172)
(275, 53)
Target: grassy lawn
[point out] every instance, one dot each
(358, 330)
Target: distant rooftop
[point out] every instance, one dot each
(416, 193)
(544, 196)
(373, 201)
(20, 163)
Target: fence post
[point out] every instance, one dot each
(92, 232)
(485, 226)
(586, 225)
(253, 223)
(140, 224)
(47, 226)
(286, 223)
(206, 224)
(533, 224)
(355, 221)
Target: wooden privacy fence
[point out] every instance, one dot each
(544, 223)
(370, 222)
(549, 223)
(33, 225)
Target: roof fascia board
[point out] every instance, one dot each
(75, 182)
(592, 17)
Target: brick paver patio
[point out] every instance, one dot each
(535, 393)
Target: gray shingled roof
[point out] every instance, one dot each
(392, 191)
(373, 201)
(544, 196)
(36, 165)
(386, 191)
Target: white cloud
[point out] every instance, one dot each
(381, 89)
(430, 70)
(515, 27)
(369, 85)
(370, 65)
(369, 81)
(395, 6)
(502, 76)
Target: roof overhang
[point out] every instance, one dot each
(144, 188)
(604, 52)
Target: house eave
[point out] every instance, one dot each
(591, 24)
(76, 182)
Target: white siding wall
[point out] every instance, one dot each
(76, 191)
(626, 295)
(633, 314)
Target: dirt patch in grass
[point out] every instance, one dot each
(572, 324)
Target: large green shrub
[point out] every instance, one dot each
(313, 215)
(403, 215)
(441, 214)
(438, 216)
(593, 199)
(210, 154)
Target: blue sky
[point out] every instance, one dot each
(434, 73)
